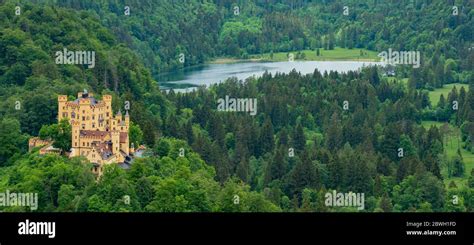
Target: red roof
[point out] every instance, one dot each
(102, 134)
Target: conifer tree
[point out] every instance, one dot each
(266, 140)
(334, 136)
(299, 139)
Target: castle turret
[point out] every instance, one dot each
(127, 122)
(119, 119)
(115, 142)
(127, 119)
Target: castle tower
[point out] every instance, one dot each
(62, 99)
(108, 103)
(108, 99)
(84, 108)
(107, 115)
(126, 145)
(115, 142)
(127, 122)
(75, 141)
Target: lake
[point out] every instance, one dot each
(189, 78)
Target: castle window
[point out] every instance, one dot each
(73, 115)
(107, 114)
(83, 118)
(93, 125)
(83, 144)
(75, 143)
(83, 126)
(83, 112)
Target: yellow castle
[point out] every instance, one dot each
(97, 134)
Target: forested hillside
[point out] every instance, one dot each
(351, 150)
(312, 134)
(160, 31)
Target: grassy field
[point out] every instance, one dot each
(435, 94)
(337, 54)
(428, 124)
(451, 146)
(404, 81)
(453, 142)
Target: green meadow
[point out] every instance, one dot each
(435, 94)
(453, 140)
(451, 145)
(337, 54)
(324, 55)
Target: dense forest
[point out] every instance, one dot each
(160, 31)
(312, 134)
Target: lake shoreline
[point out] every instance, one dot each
(209, 74)
(219, 61)
(336, 54)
